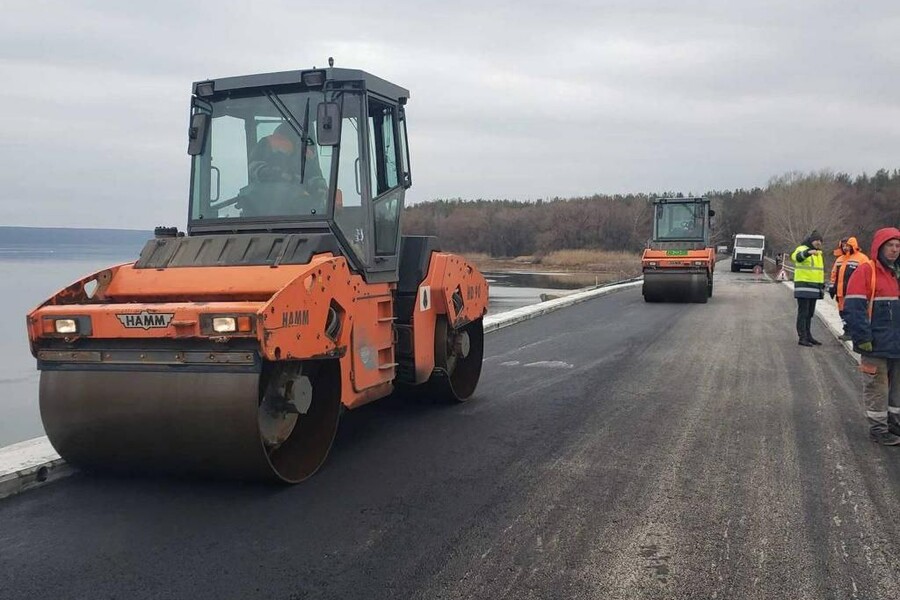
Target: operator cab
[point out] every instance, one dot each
(682, 220)
(307, 152)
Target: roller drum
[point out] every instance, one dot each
(202, 423)
(458, 355)
(676, 287)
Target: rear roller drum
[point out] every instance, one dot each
(458, 354)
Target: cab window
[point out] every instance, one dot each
(382, 147)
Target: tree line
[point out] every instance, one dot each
(785, 211)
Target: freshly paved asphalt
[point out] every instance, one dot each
(614, 449)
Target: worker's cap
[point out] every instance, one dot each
(815, 235)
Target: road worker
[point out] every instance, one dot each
(809, 285)
(849, 257)
(839, 253)
(872, 306)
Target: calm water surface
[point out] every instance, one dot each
(30, 277)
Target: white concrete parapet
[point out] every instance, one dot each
(29, 464)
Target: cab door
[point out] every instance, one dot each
(388, 180)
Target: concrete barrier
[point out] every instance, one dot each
(495, 322)
(34, 462)
(29, 464)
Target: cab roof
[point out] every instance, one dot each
(365, 81)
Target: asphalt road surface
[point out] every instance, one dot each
(614, 449)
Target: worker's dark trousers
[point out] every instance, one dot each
(806, 308)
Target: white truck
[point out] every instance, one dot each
(747, 251)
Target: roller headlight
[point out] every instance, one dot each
(65, 326)
(219, 324)
(224, 324)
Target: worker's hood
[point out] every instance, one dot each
(880, 238)
(852, 242)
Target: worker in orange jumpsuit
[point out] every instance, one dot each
(849, 258)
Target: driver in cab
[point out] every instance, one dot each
(275, 172)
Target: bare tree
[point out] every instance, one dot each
(796, 203)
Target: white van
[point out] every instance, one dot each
(747, 251)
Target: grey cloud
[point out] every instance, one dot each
(510, 99)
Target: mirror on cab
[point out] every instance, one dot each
(328, 124)
(197, 133)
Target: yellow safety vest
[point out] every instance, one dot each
(809, 274)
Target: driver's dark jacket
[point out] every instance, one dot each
(270, 165)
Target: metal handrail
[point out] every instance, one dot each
(784, 264)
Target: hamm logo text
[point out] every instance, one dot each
(146, 320)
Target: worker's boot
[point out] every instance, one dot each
(813, 341)
(805, 342)
(883, 437)
(894, 427)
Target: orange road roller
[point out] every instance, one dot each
(232, 349)
(678, 265)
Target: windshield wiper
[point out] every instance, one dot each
(305, 142)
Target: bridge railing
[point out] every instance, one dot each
(782, 264)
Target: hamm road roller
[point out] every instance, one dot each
(678, 265)
(232, 349)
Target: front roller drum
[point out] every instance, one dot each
(676, 287)
(275, 425)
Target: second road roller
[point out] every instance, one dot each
(232, 349)
(678, 265)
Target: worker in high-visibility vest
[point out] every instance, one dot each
(809, 284)
(849, 257)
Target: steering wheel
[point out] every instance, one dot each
(276, 199)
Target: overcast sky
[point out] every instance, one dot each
(523, 99)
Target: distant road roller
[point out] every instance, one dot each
(678, 265)
(232, 350)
